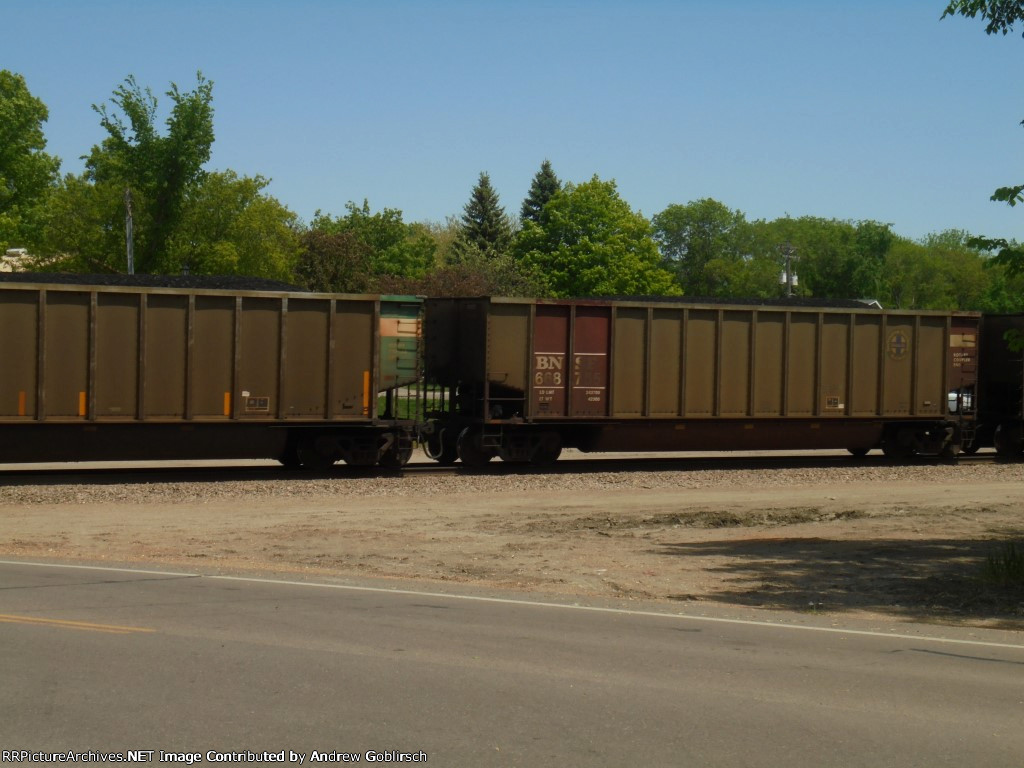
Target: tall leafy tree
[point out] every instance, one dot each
(160, 170)
(84, 228)
(591, 243)
(394, 247)
(334, 262)
(27, 173)
(941, 271)
(1000, 16)
(544, 186)
(229, 226)
(835, 259)
(485, 227)
(704, 244)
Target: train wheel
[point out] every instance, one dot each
(859, 452)
(899, 445)
(395, 457)
(970, 448)
(1008, 439)
(471, 450)
(290, 458)
(549, 450)
(313, 459)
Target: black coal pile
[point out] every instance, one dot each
(212, 282)
(792, 301)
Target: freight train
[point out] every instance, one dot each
(152, 368)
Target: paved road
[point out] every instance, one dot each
(109, 660)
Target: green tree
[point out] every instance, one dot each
(1000, 16)
(159, 170)
(913, 277)
(486, 229)
(478, 276)
(544, 186)
(705, 245)
(395, 248)
(591, 243)
(228, 226)
(81, 232)
(336, 262)
(445, 235)
(27, 173)
(835, 259)
(162, 172)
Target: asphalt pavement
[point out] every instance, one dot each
(185, 667)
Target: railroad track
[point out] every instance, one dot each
(172, 472)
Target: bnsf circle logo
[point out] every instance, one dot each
(898, 345)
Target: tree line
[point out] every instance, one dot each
(567, 239)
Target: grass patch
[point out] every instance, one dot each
(1005, 567)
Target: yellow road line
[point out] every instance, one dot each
(64, 624)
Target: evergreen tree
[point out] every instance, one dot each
(545, 185)
(485, 228)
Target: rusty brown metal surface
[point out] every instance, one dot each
(588, 378)
(755, 367)
(549, 378)
(104, 354)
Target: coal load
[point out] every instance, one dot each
(208, 282)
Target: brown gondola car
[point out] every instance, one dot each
(124, 372)
(521, 378)
(1001, 385)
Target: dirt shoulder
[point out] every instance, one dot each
(905, 542)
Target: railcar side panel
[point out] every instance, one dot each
(19, 319)
(801, 364)
(353, 361)
(506, 356)
(833, 376)
(634, 375)
(67, 343)
(769, 368)
(306, 350)
(212, 365)
(734, 351)
(700, 363)
(629, 384)
(867, 365)
(166, 357)
(666, 346)
(161, 361)
(259, 328)
(115, 392)
(933, 344)
(550, 359)
(588, 377)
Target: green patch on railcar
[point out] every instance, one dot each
(401, 333)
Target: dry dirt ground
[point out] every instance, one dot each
(905, 542)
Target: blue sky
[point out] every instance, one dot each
(862, 110)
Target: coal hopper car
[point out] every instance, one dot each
(522, 378)
(116, 372)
